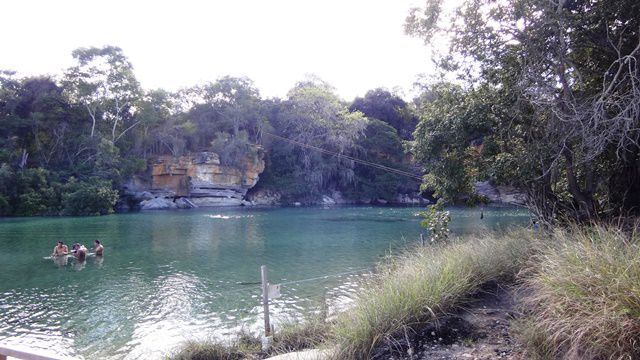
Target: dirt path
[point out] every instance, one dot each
(479, 332)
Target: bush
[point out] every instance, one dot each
(30, 204)
(436, 220)
(93, 197)
(583, 297)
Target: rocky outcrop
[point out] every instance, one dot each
(501, 194)
(273, 198)
(203, 179)
(265, 198)
(158, 204)
(410, 199)
(193, 181)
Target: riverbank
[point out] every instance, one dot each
(579, 281)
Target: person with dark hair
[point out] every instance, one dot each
(535, 226)
(60, 249)
(79, 251)
(99, 249)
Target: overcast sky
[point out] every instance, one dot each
(355, 45)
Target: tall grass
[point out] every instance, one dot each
(583, 297)
(425, 283)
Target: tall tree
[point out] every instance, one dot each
(381, 104)
(104, 83)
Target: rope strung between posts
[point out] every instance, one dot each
(359, 161)
(295, 281)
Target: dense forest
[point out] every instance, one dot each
(68, 144)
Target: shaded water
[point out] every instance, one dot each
(171, 276)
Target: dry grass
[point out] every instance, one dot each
(583, 297)
(425, 283)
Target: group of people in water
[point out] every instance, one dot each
(78, 250)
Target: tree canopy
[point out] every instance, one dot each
(67, 146)
(554, 86)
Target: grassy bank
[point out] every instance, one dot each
(583, 297)
(580, 296)
(424, 284)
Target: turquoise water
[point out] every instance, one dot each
(171, 276)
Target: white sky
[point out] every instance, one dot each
(355, 45)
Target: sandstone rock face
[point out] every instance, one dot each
(158, 204)
(410, 199)
(501, 194)
(203, 180)
(265, 198)
(184, 203)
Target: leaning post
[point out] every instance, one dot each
(265, 300)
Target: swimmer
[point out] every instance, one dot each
(60, 249)
(79, 251)
(99, 249)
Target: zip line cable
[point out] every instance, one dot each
(360, 161)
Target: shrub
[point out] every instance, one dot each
(583, 297)
(93, 197)
(436, 220)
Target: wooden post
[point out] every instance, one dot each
(265, 300)
(422, 238)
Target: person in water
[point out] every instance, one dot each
(99, 249)
(60, 249)
(79, 251)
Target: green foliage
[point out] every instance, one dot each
(466, 136)
(235, 150)
(436, 220)
(97, 122)
(548, 101)
(382, 105)
(380, 145)
(92, 197)
(313, 115)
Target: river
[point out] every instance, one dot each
(176, 275)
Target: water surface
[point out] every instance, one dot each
(176, 275)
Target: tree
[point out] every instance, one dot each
(383, 105)
(313, 116)
(380, 145)
(104, 83)
(567, 73)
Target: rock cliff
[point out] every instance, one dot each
(501, 194)
(196, 180)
